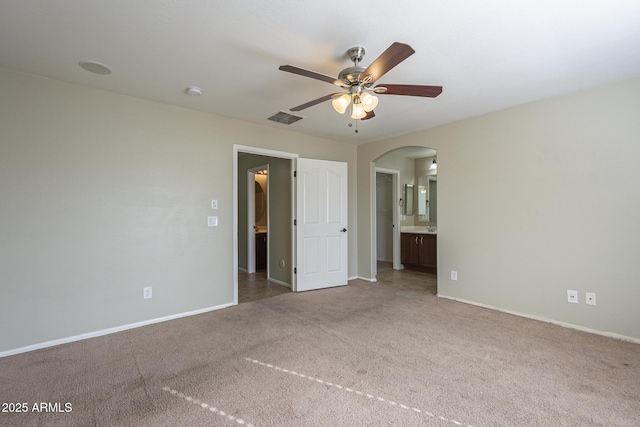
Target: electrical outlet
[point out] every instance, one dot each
(146, 292)
(590, 298)
(572, 296)
(454, 275)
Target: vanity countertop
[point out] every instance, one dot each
(418, 229)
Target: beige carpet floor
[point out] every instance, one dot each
(369, 354)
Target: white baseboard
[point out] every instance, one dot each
(108, 331)
(364, 278)
(544, 319)
(280, 282)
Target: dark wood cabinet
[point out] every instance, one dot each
(409, 248)
(261, 250)
(419, 250)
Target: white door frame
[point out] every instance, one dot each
(395, 208)
(251, 217)
(262, 152)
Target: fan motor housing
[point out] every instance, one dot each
(351, 75)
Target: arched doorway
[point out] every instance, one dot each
(414, 171)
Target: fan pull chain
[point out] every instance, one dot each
(351, 124)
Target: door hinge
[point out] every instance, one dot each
(295, 271)
(295, 174)
(295, 222)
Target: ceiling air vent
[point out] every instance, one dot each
(285, 118)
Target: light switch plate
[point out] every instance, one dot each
(214, 204)
(212, 221)
(454, 275)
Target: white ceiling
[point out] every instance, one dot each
(488, 55)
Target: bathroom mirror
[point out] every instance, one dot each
(261, 201)
(423, 202)
(427, 198)
(407, 197)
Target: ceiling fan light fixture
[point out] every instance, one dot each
(341, 103)
(358, 112)
(358, 81)
(369, 102)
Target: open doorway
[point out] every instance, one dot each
(319, 194)
(415, 169)
(263, 224)
(387, 214)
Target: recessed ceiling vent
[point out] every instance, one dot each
(285, 118)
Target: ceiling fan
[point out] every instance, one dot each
(358, 82)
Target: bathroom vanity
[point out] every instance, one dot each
(418, 247)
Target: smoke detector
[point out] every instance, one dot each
(95, 67)
(194, 91)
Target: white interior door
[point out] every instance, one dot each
(321, 231)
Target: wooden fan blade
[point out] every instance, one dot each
(395, 54)
(369, 115)
(312, 74)
(410, 90)
(314, 102)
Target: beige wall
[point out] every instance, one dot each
(104, 194)
(535, 200)
(398, 160)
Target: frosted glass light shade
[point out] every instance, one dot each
(341, 103)
(369, 101)
(358, 111)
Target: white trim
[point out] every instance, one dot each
(279, 282)
(366, 279)
(544, 319)
(251, 222)
(292, 265)
(264, 152)
(109, 331)
(373, 247)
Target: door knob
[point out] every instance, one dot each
(344, 230)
